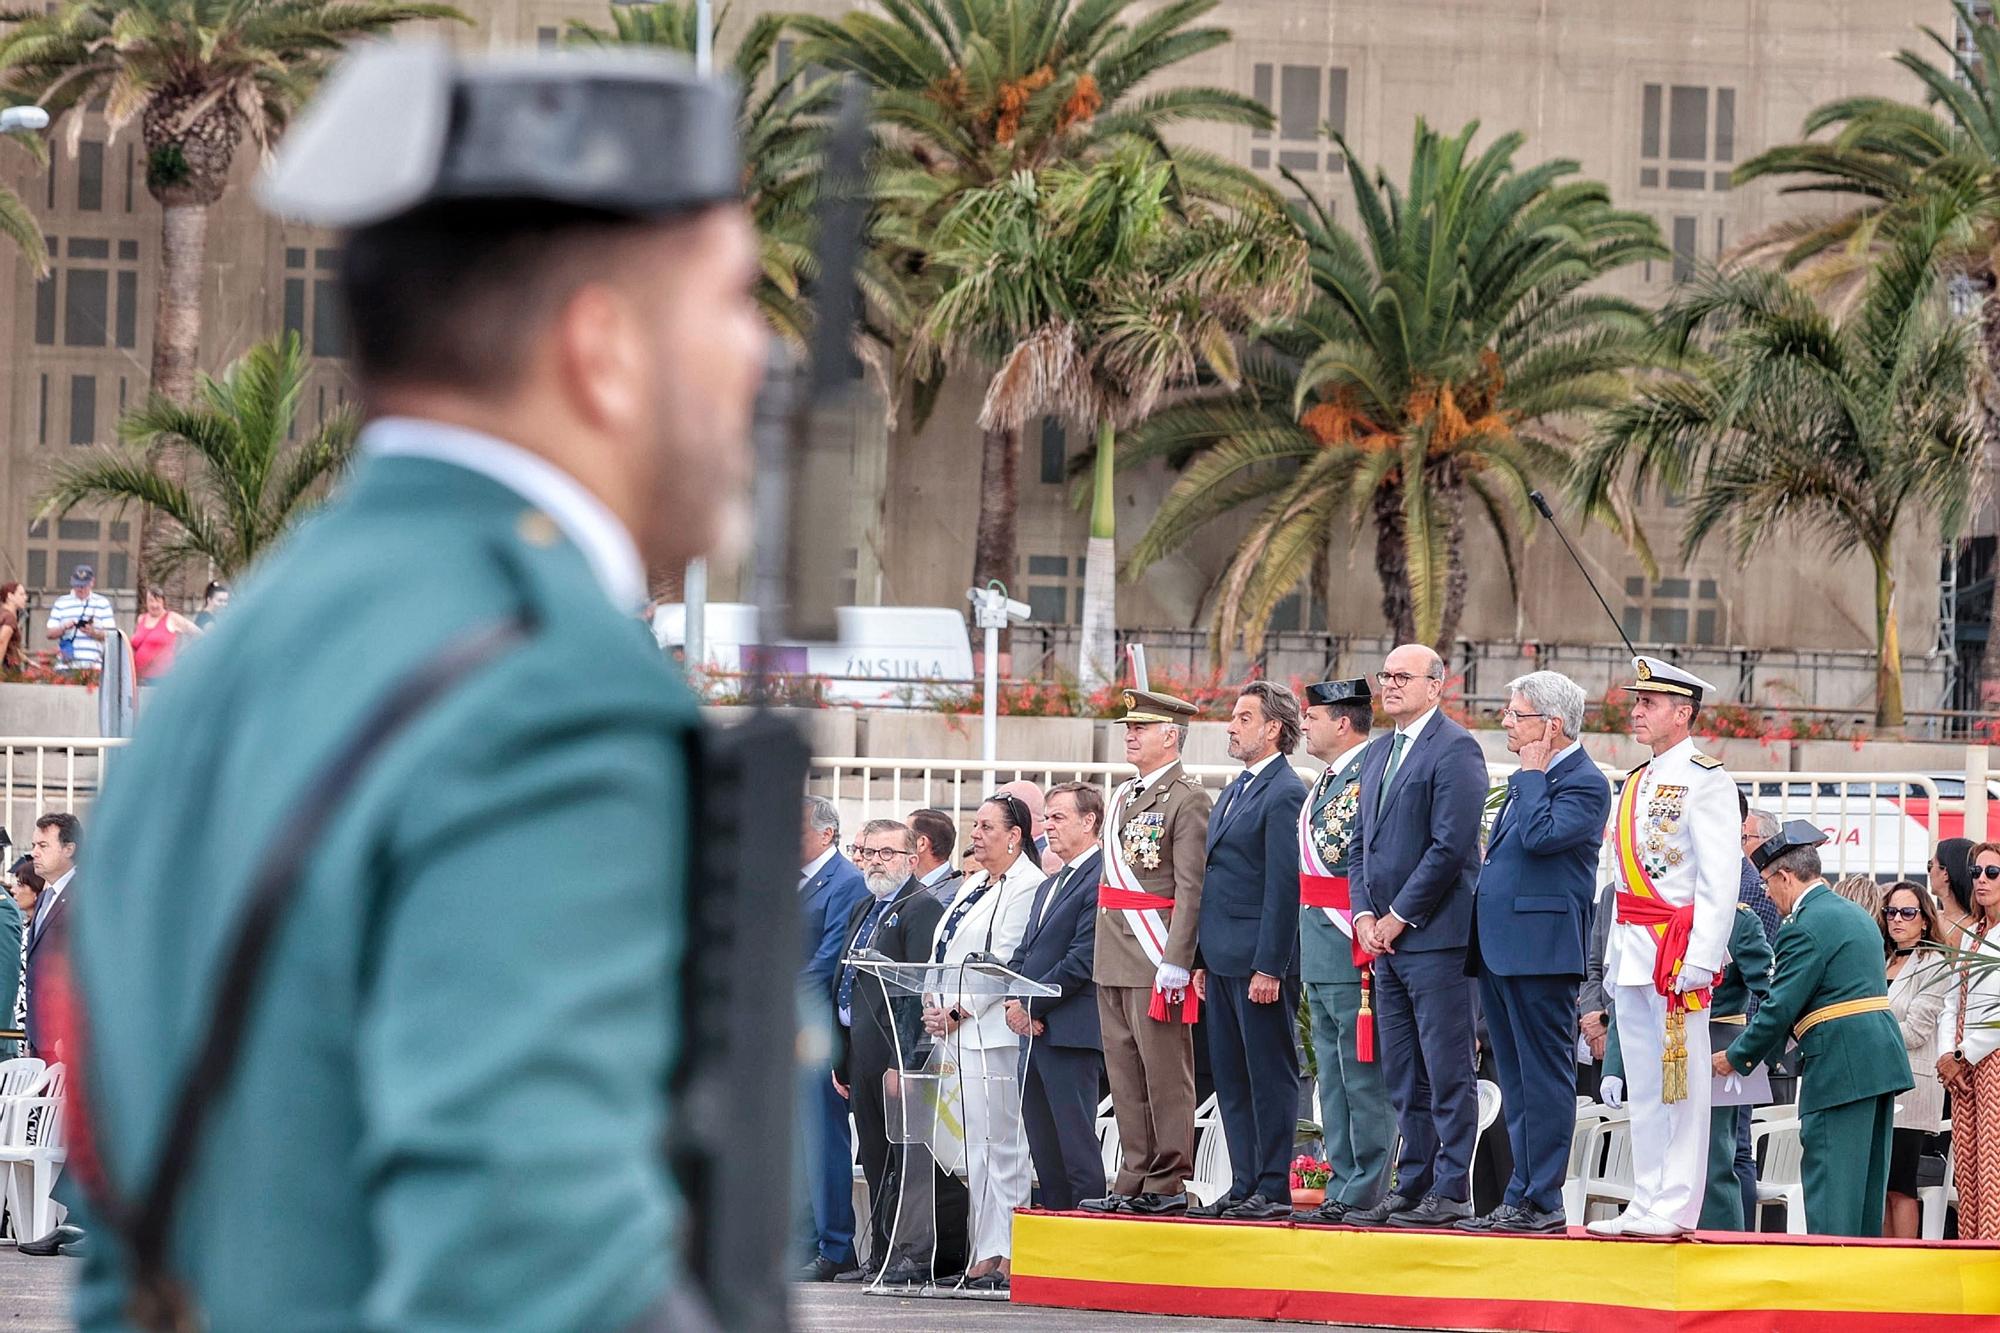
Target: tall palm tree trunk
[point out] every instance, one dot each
(1097, 660)
(176, 336)
(1888, 645)
(994, 549)
(1392, 565)
(1455, 579)
(1989, 404)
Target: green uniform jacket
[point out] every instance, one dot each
(13, 930)
(1325, 953)
(449, 1105)
(1828, 951)
(1747, 973)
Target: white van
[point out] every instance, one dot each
(886, 656)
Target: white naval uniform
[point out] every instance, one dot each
(1690, 843)
(996, 1146)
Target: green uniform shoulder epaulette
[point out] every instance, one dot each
(1706, 761)
(1743, 907)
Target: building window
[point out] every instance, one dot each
(1696, 128)
(81, 291)
(1050, 589)
(83, 409)
(312, 301)
(1684, 257)
(90, 176)
(78, 539)
(1055, 452)
(1308, 101)
(547, 38)
(1672, 610)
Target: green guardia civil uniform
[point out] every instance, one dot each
(448, 1107)
(1355, 1117)
(13, 930)
(1747, 974)
(1828, 989)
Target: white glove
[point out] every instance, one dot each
(1611, 1091)
(1691, 977)
(1170, 978)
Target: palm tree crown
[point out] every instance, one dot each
(1444, 342)
(1784, 421)
(246, 483)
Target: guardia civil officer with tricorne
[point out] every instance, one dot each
(1828, 992)
(446, 1110)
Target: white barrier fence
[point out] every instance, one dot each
(1879, 824)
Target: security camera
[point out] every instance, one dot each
(992, 608)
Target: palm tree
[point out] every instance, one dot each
(198, 75)
(781, 117)
(969, 92)
(1443, 345)
(17, 224)
(246, 484)
(1905, 162)
(1786, 421)
(1098, 288)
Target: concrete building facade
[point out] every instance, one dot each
(1659, 101)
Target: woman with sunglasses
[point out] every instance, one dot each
(1951, 885)
(1968, 1062)
(1917, 981)
(989, 916)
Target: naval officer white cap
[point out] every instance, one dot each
(634, 134)
(1659, 676)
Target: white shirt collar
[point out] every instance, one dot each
(1147, 780)
(1341, 760)
(583, 518)
(1254, 769)
(48, 904)
(1078, 859)
(938, 872)
(807, 875)
(1416, 728)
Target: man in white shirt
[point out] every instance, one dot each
(79, 620)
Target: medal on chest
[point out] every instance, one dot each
(1140, 838)
(1666, 808)
(1333, 827)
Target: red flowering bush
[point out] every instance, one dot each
(1310, 1173)
(40, 669)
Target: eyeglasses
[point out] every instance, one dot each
(1400, 678)
(1902, 913)
(1986, 872)
(1016, 808)
(1509, 715)
(860, 853)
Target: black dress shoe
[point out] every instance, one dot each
(1433, 1211)
(1160, 1205)
(822, 1269)
(1381, 1212)
(993, 1281)
(903, 1273)
(1500, 1219)
(1219, 1208)
(1533, 1219)
(867, 1274)
(63, 1238)
(1257, 1208)
(1110, 1203)
(1331, 1213)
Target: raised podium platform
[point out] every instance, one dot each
(1713, 1283)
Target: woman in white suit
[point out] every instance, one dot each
(989, 916)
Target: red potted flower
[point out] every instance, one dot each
(1309, 1177)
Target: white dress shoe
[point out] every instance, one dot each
(1607, 1226)
(1645, 1224)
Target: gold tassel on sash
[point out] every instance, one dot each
(1674, 1054)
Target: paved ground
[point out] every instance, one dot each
(34, 1298)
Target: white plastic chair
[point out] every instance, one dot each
(1107, 1140)
(1779, 1171)
(32, 1151)
(1582, 1139)
(1489, 1108)
(1211, 1163)
(20, 1076)
(1607, 1175)
(1936, 1199)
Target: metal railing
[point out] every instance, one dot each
(1881, 824)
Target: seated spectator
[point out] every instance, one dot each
(1918, 977)
(155, 634)
(1863, 892)
(13, 605)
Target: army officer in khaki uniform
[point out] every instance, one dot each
(447, 1107)
(1155, 849)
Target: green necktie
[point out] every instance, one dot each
(1389, 773)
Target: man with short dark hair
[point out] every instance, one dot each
(1062, 1060)
(57, 843)
(550, 290)
(1247, 965)
(936, 835)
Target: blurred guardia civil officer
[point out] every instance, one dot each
(447, 1106)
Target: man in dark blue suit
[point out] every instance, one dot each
(830, 888)
(1247, 954)
(1411, 875)
(1530, 939)
(1063, 1056)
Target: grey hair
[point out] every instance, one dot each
(1554, 695)
(823, 815)
(875, 826)
(1762, 824)
(1180, 730)
(1802, 863)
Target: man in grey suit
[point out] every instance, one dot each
(1411, 874)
